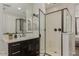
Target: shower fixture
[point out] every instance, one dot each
(36, 15)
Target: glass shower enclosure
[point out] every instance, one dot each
(66, 28)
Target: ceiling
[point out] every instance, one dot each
(50, 5)
(12, 8)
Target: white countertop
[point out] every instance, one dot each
(7, 40)
(16, 40)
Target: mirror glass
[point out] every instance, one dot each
(15, 16)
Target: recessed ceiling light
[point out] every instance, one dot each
(19, 8)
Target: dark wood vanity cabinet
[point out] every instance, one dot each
(24, 48)
(14, 49)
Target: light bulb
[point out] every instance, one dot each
(19, 8)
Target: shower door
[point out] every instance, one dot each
(53, 33)
(58, 29)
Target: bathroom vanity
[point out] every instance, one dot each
(24, 48)
(20, 47)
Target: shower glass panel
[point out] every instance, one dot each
(67, 21)
(42, 31)
(67, 47)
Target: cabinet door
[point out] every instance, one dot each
(24, 48)
(15, 49)
(32, 47)
(29, 48)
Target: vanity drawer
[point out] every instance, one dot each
(14, 48)
(15, 44)
(17, 53)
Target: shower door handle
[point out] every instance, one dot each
(55, 29)
(59, 29)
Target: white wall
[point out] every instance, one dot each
(71, 8)
(7, 23)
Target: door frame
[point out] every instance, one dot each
(62, 27)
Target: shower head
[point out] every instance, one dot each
(36, 15)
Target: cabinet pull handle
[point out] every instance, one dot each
(59, 29)
(15, 44)
(55, 29)
(16, 52)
